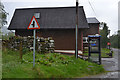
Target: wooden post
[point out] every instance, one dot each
(20, 49)
(76, 31)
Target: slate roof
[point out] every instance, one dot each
(50, 18)
(92, 20)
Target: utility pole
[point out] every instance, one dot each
(76, 31)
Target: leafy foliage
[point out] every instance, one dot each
(50, 65)
(47, 59)
(3, 15)
(7, 36)
(104, 33)
(115, 40)
(104, 52)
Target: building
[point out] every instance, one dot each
(56, 22)
(92, 30)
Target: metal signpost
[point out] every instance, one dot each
(34, 48)
(94, 48)
(34, 25)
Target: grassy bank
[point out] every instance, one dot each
(104, 52)
(50, 65)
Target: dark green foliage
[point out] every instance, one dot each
(104, 33)
(115, 40)
(4, 14)
(25, 50)
(6, 37)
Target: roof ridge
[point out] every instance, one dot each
(91, 17)
(48, 7)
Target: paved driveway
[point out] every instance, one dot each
(111, 65)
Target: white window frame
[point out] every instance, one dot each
(37, 15)
(86, 39)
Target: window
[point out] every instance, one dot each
(85, 39)
(37, 15)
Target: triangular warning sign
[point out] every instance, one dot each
(33, 24)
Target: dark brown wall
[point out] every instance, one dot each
(23, 32)
(94, 29)
(64, 38)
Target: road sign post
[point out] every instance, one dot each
(34, 25)
(34, 31)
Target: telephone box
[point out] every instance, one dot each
(94, 48)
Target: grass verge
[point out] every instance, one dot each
(50, 65)
(104, 52)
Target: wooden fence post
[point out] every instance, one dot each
(20, 49)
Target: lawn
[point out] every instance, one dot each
(52, 65)
(104, 52)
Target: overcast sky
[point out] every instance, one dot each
(103, 10)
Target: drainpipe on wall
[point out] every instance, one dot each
(98, 28)
(82, 41)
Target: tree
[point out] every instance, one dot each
(115, 40)
(3, 16)
(118, 32)
(104, 33)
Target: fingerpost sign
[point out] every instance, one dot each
(33, 25)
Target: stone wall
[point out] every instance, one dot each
(43, 45)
